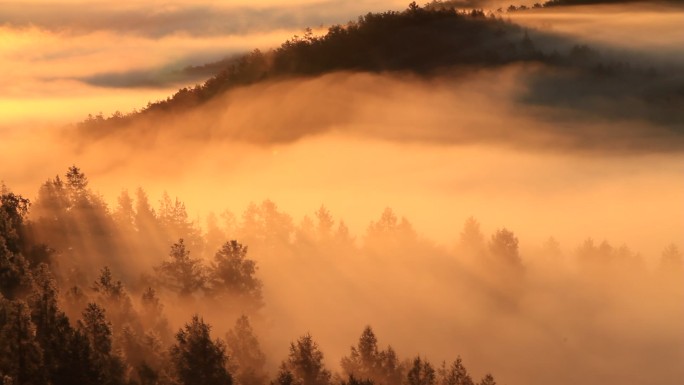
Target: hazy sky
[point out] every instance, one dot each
(436, 150)
(53, 52)
(49, 49)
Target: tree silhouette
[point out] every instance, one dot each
(421, 373)
(145, 355)
(14, 272)
(488, 380)
(245, 356)
(365, 360)
(21, 358)
(504, 248)
(153, 315)
(113, 296)
(233, 273)
(53, 331)
(304, 365)
(124, 215)
(77, 185)
(324, 225)
(197, 360)
(181, 273)
(173, 218)
(455, 374)
(74, 221)
(672, 259)
(14, 268)
(145, 218)
(13, 210)
(471, 239)
(98, 331)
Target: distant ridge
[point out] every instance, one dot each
(438, 39)
(418, 39)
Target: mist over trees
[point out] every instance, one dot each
(433, 41)
(143, 291)
(75, 311)
(417, 39)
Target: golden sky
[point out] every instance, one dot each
(436, 151)
(54, 55)
(53, 51)
(50, 50)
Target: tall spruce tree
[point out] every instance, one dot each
(197, 360)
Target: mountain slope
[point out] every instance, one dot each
(573, 82)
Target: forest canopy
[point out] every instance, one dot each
(76, 308)
(432, 196)
(437, 41)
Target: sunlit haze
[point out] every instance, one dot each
(491, 185)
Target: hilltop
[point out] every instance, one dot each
(431, 41)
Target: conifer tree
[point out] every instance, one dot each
(455, 374)
(197, 360)
(21, 358)
(98, 331)
(233, 273)
(304, 365)
(181, 273)
(245, 356)
(421, 373)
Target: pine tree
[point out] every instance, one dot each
(124, 215)
(145, 219)
(285, 376)
(98, 330)
(391, 369)
(113, 296)
(304, 365)
(471, 240)
(173, 218)
(13, 210)
(245, 356)
(488, 380)
(153, 315)
(365, 360)
(456, 374)
(421, 373)
(233, 273)
(181, 274)
(145, 355)
(325, 223)
(53, 331)
(76, 183)
(504, 247)
(15, 276)
(197, 359)
(21, 357)
(672, 260)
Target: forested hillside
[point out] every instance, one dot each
(80, 305)
(432, 196)
(431, 41)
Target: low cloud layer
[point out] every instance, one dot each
(647, 33)
(539, 150)
(463, 142)
(187, 18)
(61, 57)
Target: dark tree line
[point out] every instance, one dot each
(59, 325)
(418, 39)
(432, 40)
(111, 341)
(560, 3)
